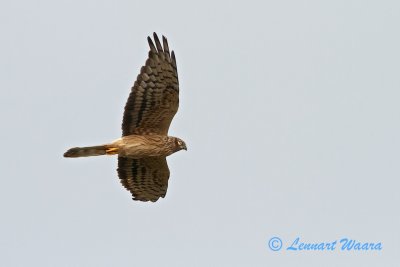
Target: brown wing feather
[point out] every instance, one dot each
(154, 98)
(146, 179)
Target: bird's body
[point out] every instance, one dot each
(145, 144)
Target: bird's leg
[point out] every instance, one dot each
(111, 150)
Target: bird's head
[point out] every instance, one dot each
(179, 144)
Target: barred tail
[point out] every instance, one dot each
(77, 152)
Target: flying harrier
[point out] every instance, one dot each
(145, 144)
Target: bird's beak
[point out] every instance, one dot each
(184, 147)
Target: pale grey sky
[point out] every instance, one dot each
(290, 110)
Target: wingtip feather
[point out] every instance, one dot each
(151, 44)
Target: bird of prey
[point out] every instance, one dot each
(145, 144)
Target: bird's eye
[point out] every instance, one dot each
(179, 142)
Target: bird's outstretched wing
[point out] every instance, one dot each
(146, 179)
(154, 98)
